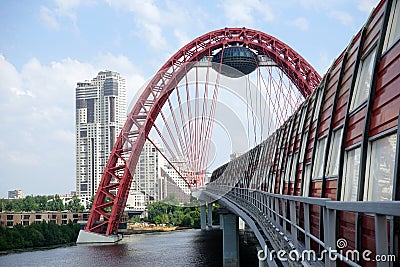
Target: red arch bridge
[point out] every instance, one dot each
(314, 161)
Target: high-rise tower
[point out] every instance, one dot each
(100, 115)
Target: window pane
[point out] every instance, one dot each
(303, 147)
(272, 185)
(333, 161)
(393, 29)
(318, 105)
(350, 179)
(379, 185)
(306, 184)
(303, 118)
(319, 159)
(364, 79)
(294, 165)
(287, 170)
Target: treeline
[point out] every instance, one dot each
(40, 203)
(37, 235)
(168, 214)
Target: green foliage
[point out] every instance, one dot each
(135, 219)
(75, 205)
(163, 213)
(37, 235)
(39, 203)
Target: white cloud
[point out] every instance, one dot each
(301, 23)
(157, 22)
(48, 18)
(148, 19)
(62, 9)
(243, 13)
(19, 92)
(37, 109)
(29, 159)
(344, 17)
(317, 4)
(323, 63)
(181, 36)
(64, 136)
(366, 5)
(120, 63)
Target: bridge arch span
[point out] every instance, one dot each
(118, 175)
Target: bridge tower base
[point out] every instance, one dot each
(86, 237)
(230, 239)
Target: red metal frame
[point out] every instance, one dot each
(118, 174)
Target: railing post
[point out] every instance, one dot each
(329, 221)
(293, 219)
(381, 238)
(263, 202)
(284, 214)
(277, 211)
(307, 225)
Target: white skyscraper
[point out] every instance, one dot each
(100, 116)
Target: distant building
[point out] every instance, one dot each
(147, 185)
(10, 219)
(100, 116)
(235, 155)
(15, 194)
(154, 180)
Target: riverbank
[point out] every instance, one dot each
(37, 236)
(32, 249)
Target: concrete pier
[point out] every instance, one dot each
(203, 216)
(230, 237)
(209, 215)
(86, 237)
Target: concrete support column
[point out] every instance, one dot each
(209, 215)
(230, 238)
(203, 217)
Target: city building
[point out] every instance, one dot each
(10, 219)
(15, 194)
(100, 116)
(154, 180)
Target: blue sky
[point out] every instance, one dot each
(46, 47)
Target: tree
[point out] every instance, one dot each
(55, 203)
(29, 204)
(75, 205)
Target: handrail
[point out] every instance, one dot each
(273, 208)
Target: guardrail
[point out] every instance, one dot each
(274, 207)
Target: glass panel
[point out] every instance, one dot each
(319, 159)
(333, 160)
(303, 118)
(351, 175)
(306, 184)
(318, 105)
(379, 184)
(287, 170)
(272, 185)
(303, 147)
(393, 29)
(294, 165)
(364, 79)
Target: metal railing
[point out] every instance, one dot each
(283, 212)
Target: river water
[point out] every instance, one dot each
(178, 248)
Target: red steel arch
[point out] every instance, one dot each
(117, 177)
